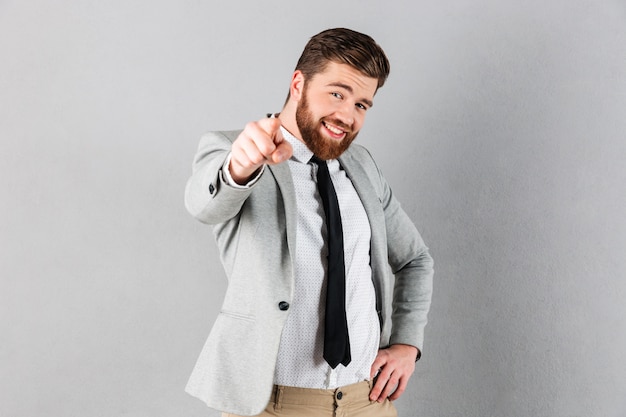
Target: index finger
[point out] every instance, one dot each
(271, 126)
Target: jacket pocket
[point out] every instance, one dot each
(238, 316)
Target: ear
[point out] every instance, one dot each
(297, 85)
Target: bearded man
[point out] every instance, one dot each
(329, 282)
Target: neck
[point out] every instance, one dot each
(288, 119)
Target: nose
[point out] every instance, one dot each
(346, 113)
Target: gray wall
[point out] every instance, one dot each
(502, 129)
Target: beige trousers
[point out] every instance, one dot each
(349, 401)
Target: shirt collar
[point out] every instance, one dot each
(300, 151)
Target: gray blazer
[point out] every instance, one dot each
(255, 232)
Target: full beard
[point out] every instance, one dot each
(323, 148)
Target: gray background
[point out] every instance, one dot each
(502, 129)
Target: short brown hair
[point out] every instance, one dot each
(344, 46)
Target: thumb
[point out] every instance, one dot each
(283, 151)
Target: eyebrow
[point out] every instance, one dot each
(351, 91)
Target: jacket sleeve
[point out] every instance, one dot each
(412, 267)
(207, 197)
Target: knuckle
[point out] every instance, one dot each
(250, 126)
(257, 159)
(265, 148)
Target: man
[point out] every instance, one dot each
(313, 321)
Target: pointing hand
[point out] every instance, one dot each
(260, 143)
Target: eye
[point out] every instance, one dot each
(361, 106)
(336, 95)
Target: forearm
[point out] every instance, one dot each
(411, 300)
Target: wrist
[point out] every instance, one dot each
(414, 351)
(231, 178)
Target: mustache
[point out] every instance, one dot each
(339, 124)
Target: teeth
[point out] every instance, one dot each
(333, 129)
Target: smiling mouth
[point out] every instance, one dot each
(334, 131)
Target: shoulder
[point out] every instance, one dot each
(231, 135)
(216, 141)
(363, 157)
(228, 135)
(359, 153)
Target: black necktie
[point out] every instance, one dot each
(336, 338)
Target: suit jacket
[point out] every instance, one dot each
(255, 233)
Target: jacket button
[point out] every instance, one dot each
(283, 306)
(211, 188)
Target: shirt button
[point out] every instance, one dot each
(339, 395)
(283, 306)
(211, 188)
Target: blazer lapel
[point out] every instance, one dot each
(282, 175)
(364, 188)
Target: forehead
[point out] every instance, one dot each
(338, 75)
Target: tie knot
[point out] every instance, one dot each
(317, 160)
